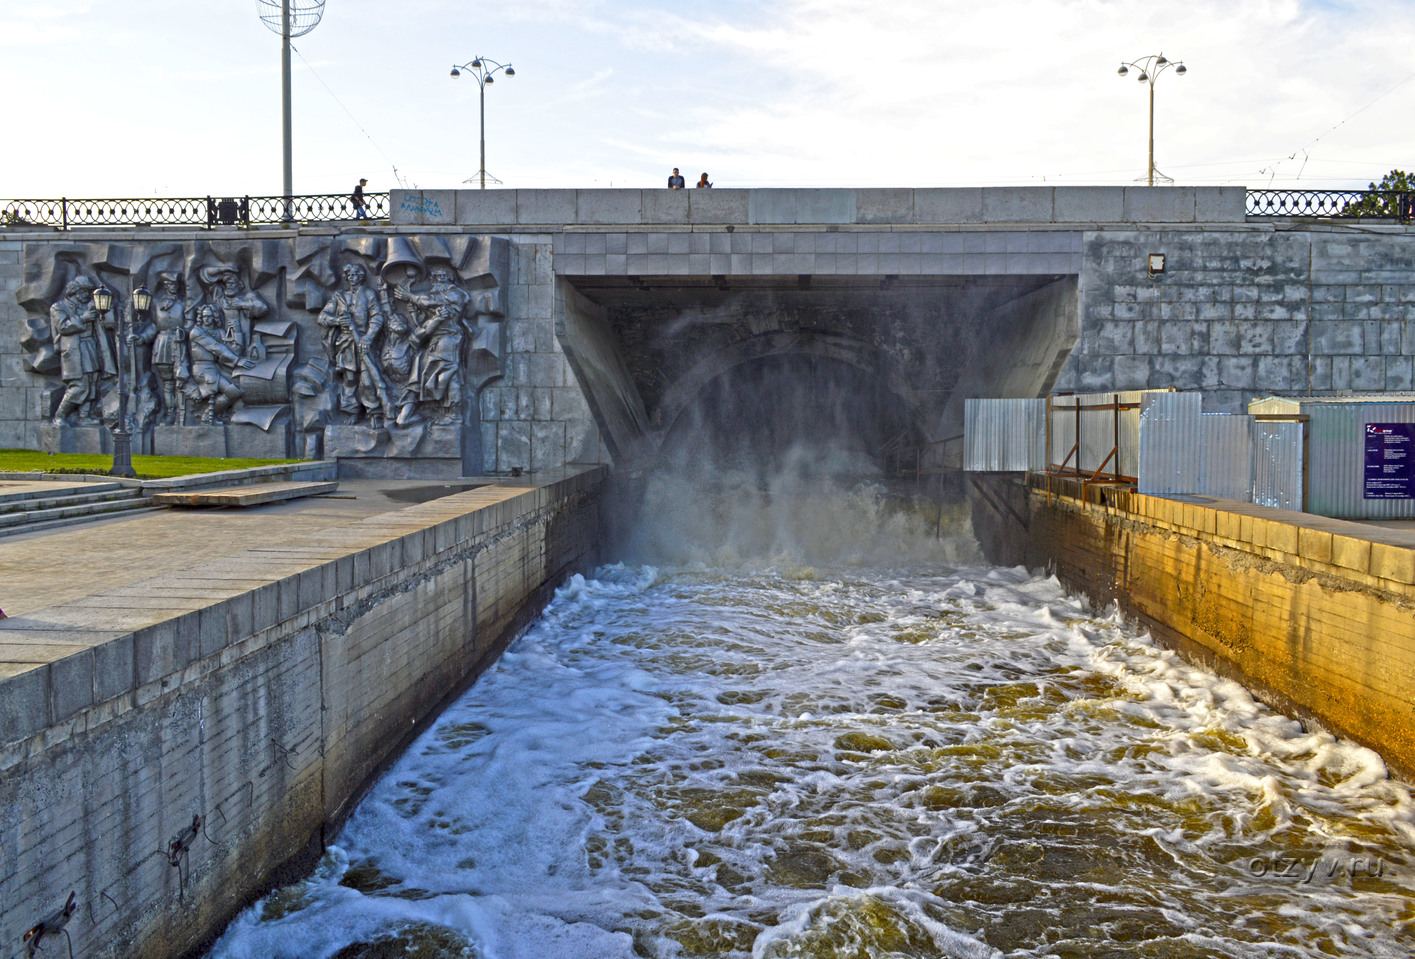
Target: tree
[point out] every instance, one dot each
(1391, 197)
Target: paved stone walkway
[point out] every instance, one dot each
(52, 566)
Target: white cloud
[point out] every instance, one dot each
(913, 92)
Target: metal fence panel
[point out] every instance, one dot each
(1278, 450)
(1170, 443)
(1226, 464)
(1336, 461)
(1004, 435)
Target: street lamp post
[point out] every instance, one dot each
(1150, 68)
(484, 77)
(122, 440)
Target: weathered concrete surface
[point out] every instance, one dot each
(261, 691)
(1316, 616)
(886, 205)
(244, 497)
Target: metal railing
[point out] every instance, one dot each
(204, 211)
(1342, 204)
(245, 211)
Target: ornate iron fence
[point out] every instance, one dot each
(206, 211)
(1344, 204)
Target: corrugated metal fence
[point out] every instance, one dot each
(1161, 440)
(1278, 453)
(1004, 435)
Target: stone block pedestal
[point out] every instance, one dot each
(206, 441)
(423, 450)
(249, 441)
(75, 439)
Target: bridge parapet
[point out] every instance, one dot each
(1039, 205)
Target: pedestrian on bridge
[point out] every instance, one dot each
(360, 210)
(703, 181)
(675, 182)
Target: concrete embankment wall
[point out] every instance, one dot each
(262, 693)
(1316, 616)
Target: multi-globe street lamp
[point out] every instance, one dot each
(1150, 68)
(484, 77)
(141, 302)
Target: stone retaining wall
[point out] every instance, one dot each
(261, 693)
(1316, 616)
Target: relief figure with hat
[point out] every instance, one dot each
(238, 307)
(85, 354)
(169, 347)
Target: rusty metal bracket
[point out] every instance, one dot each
(52, 925)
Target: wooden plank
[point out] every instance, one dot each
(259, 494)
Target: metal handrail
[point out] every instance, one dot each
(1336, 204)
(209, 211)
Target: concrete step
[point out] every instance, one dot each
(34, 527)
(259, 494)
(133, 500)
(66, 498)
(20, 492)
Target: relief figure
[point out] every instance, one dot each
(205, 380)
(169, 347)
(437, 372)
(352, 320)
(84, 351)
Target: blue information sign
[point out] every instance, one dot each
(1390, 467)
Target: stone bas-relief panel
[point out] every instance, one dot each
(309, 346)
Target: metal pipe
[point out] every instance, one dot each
(285, 108)
(1152, 136)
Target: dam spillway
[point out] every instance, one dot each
(610, 324)
(776, 760)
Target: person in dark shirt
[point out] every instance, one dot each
(703, 181)
(360, 210)
(675, 182)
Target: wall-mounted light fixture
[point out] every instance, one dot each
(1156, 264)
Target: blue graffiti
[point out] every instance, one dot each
(421, 204)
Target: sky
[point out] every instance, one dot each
(182, 97)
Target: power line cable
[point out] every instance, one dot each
(396, 175)
(1271, 170)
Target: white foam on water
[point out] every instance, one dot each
(778, 759)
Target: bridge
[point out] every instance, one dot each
(620, 309)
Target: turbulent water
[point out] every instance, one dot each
(905, 754)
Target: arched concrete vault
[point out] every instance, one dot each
(644, 347)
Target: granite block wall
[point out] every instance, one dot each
(1239, 314)
(535, 416)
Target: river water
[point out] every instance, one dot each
(744, 750)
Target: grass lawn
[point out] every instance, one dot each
(147, 467)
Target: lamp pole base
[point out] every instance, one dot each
(122, 454)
